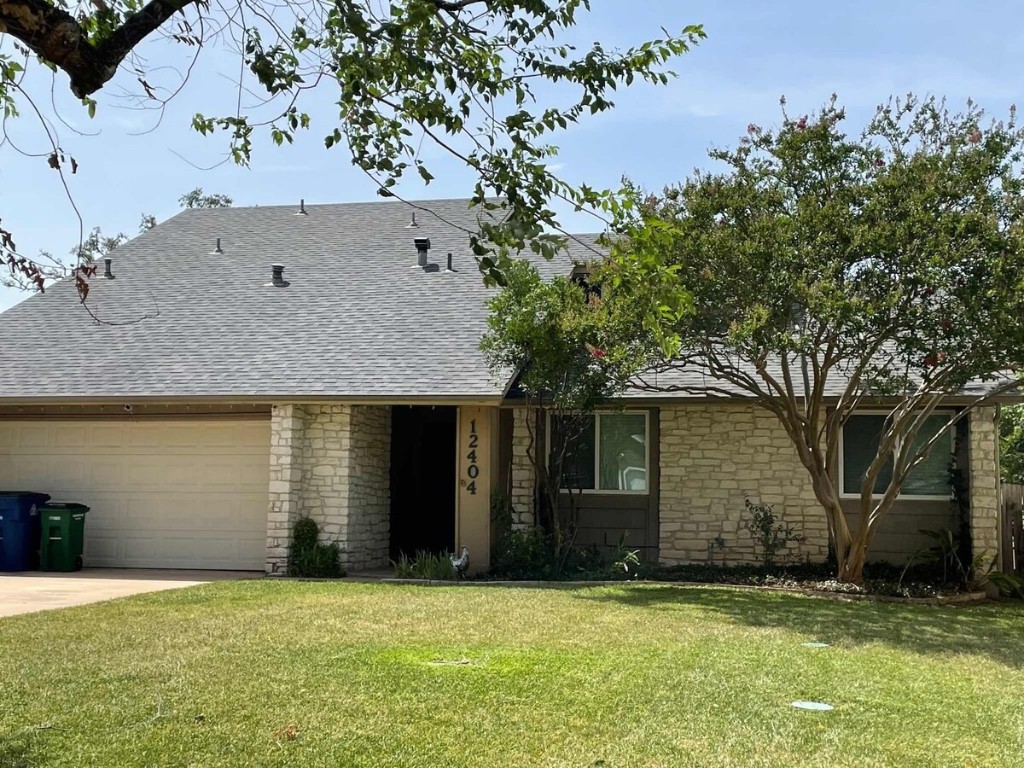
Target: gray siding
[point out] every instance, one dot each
(899, 534)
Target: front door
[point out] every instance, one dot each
(423, 467)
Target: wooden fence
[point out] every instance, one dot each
(1013, 529)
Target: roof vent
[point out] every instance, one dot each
(277, 276)
(412, 224)
(108, 273)
(217, 249)
(302, 208)
(422, 246)
(449, 268)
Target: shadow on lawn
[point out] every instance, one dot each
(15, 753)
(993, 630)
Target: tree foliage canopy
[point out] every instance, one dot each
(1011, 444)
(553, 334)
(820, 272)
(488, 81)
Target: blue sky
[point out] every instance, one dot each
(755, 52)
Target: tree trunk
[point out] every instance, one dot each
(850, 550)
(851, 564)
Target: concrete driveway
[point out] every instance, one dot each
(36, 591)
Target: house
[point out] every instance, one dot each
(239, 368)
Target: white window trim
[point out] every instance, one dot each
(597, 454)
(950, 433)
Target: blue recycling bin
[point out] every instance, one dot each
(19, 529)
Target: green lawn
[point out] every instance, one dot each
(617, 676)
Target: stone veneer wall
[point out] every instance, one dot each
(523, 474)
(716, 455)
(712, 458)
(286, 426)
(985, 503)
(369, 519)
(331, 463)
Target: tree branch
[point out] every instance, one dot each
(56, 36)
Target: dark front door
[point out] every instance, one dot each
(422, 479)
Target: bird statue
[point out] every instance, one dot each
(461, 563)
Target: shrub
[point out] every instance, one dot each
(1008, 584)
(625, 561)
(769, 531)
(308, 557)
(502, 512)
(425, 565)
(530, 554)
(522, 554)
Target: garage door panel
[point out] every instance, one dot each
(101, 550)
(163, 472)
(173, 494)
(103, 436)
(99, 473)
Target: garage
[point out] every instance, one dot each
(164, 492)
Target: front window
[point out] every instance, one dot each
(929, 479)
(604, 452)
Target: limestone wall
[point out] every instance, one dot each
(286, 426)
(983, 455)
(331, 463)
(369, 500)
(523, 474)
(712, 458)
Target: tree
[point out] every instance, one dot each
(1011, 444)
(551, 334)
(487, 81)
(821, 272)
(197, 199)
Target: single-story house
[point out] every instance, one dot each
(208, 399)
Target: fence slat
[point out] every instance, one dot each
(1013, 528)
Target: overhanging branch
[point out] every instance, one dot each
(59, 38)
(56, 36)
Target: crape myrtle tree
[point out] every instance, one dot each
(820, 272)
(487, 81)
(552, 335)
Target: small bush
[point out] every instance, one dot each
(1008, 584)
(425, 565)
(502, 512)
(308, 557)
(529, 554)
(522, 554)
(625, 562)
(770, 533)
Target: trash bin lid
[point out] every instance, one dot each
(19, 494)
(63, 506)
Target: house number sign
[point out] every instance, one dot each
(472, 465)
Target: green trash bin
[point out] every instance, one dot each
(63, 536)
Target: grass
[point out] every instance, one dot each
(333, 674)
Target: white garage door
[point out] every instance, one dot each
(164, 494)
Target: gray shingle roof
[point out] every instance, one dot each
(358, 320)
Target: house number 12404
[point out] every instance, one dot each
(473, 468)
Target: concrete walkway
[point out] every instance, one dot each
(35, 591)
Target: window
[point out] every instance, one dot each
(608, 452)
(929, 479)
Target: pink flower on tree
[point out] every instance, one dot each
(596, 351)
